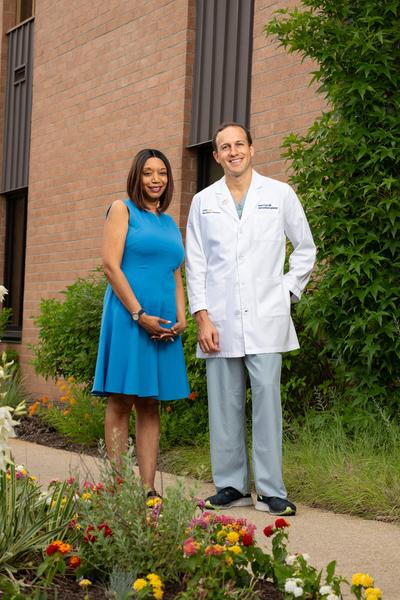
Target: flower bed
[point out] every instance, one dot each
(114, 543)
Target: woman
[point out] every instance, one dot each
(140, 358)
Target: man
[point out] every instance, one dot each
(240, 297)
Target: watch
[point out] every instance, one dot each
(136, 315)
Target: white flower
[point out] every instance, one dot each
(332, 597)
(7, 431)
(325, 589)
(293, 586)
(3, 292)
(291, 559)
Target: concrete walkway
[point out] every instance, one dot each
(356, 544)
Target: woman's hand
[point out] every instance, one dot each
(179, 327)
(153, 327)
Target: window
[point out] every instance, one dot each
(208, 170)
(14, 268)
(222, 66)
(25, 10)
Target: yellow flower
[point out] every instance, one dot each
(32, 478)
(154, 579)
(232, 537)
(235, 549)
(362, 579)
(373, 593)
(139, 584)
(85, 582)
(153, 502)
(221, 533)
(86, 496)
(229, 561)
(158, 593)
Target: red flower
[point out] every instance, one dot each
(74, 562)
(268, 530)
(247, 540)
(192, 396)
(89, 537)
(52, 549)
(281, 523)
(106, 530)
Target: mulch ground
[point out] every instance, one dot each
(33, 429)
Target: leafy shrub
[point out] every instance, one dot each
(119, 530)
(77, 414)
(69, 330)
(346, 169)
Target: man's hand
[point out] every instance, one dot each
(207, 333)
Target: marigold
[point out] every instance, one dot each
(65, 548)
(232, 537)
(373, 593)
(155, 501)
(139, 584)
(362, 579)
(235, 549)
(192, 396)
(74, 562)
(158, 594)
(229, 561)
(214, 549)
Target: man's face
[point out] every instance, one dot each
(234, 152)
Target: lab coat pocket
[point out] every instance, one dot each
(272, 296)
(268, 224)
(216, 299)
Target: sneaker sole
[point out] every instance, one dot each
(263, 507)
(239, 502)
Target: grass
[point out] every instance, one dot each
(326, 467)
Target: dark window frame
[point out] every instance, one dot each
(13, 332)
(204, 174)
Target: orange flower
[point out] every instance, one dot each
(192, 396)
(74, 562)
(44, 399)
(66, 412)
(33, 408)
(65, 548)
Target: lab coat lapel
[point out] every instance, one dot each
(225, 200)
(253, 197)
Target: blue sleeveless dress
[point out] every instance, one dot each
(128, 360)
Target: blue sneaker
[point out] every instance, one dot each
(227, 498)
(280, 507)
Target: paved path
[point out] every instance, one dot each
(356, 544)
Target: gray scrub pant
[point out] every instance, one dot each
(226, 386)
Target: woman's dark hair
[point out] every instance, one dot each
(134, 185)
(230, 124)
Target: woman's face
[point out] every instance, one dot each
(154, 179)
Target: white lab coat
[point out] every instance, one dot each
(235, 266)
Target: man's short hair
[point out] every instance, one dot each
(230, 124)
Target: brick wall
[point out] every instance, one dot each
(109, 78)
(282, 100)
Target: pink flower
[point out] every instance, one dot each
(190, 547)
